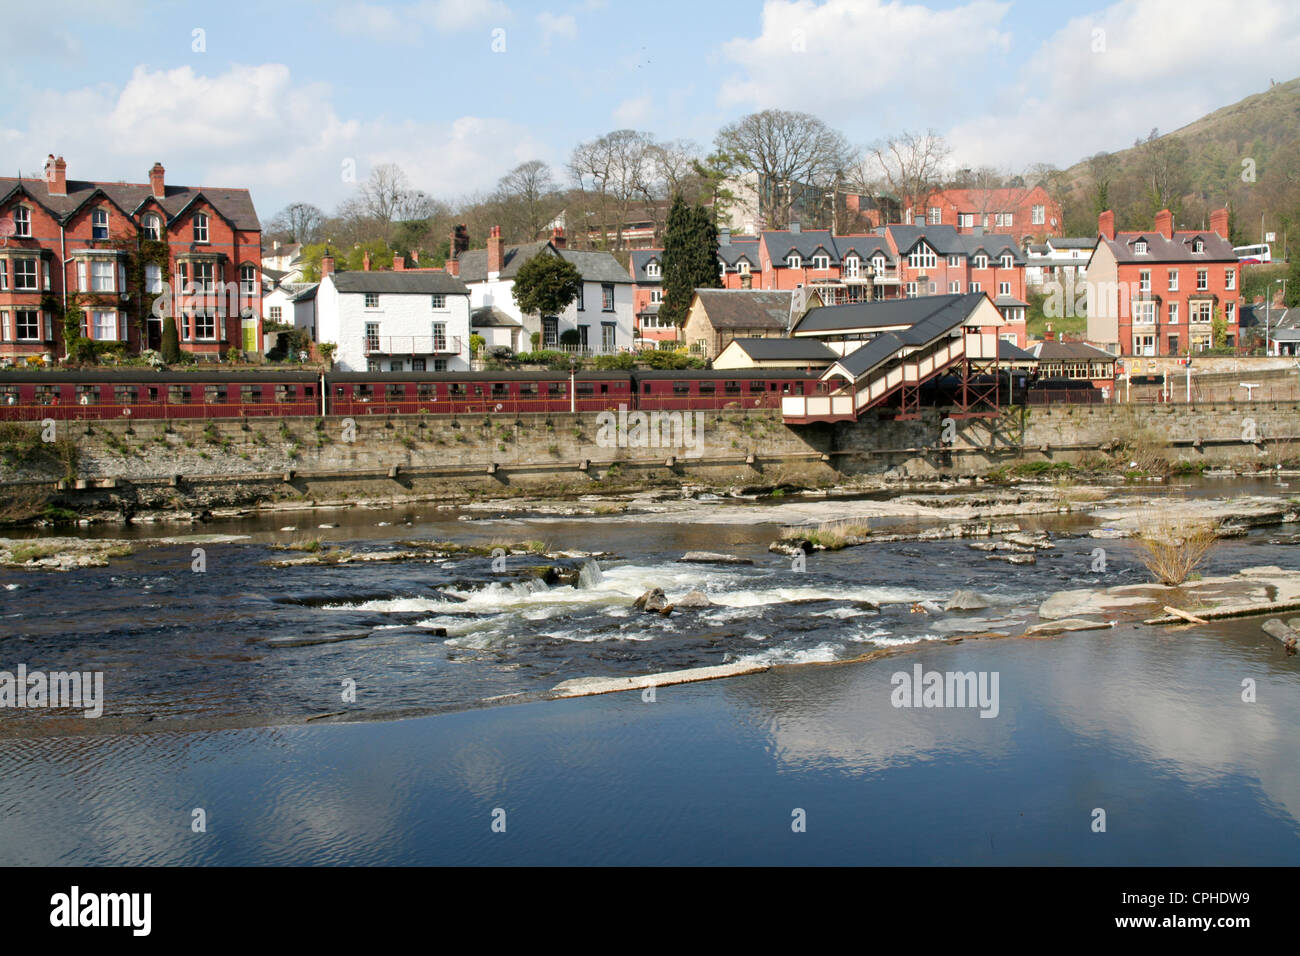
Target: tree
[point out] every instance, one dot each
(909, 165)
(528, 192)
(1163, 164)
(171, 343)
(690, 258)
(616, 170)
(1292, 297)
(546, 285)
(1101, 170)
(387, 197)
(298, 222)
(789, 152)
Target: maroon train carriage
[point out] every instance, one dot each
(723, 388)
(144, 395)
(477, 393)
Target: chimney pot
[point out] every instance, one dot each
(1219, 222)
(365, 262)
(557, 237)
(56, 176)
(399, 263)
(326, 266)
(1165, 223)
(1106, 224)
(156, 181)
(495, 251)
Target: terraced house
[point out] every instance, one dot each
(85, 260)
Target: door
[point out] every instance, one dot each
(250, 336)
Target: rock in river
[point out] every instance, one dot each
(695, 599)
(965, 601)
(712, 557)
(653, 600)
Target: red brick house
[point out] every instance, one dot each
(1159, 292)
(110, 251)
(1019, 213)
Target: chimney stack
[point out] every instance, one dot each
(365, 262)
(1048, 334)
(1165, 223)
(399, 263)
(415, 256)
(1106, 224)
(496, 253)
(453, 266)
(795, 226)
(156, 181)
(1219, 222)
(56, 176)
(724, 236)
(557, 237)
(326, 266)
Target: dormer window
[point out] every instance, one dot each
(99, 224)
(795, 261)
(1007, 262)
(200, 227)
(821, 262)
(153, 227)
(878, 264)
(22, 222)
(722, 267)
(1140, 248)
(851, 266)
(922, 257)
(653, 271)
(981, 261)
(1198, 247)
(743, 267)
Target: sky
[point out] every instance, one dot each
(299, 101)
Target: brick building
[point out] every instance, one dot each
(1159, 292)
(108, 250)
(1023, 213)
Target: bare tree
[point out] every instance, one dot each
(298, 222)
(909, 165)
(1101, 170)
(528, 192)
(386, 195)
(617, 170)
(1163, 162)
(789, 152)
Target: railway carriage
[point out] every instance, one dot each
(718, 389)
(481, 393)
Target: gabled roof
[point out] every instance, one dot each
(863, 246)
(1177, 249)
(593, 266)
(490, 317)
(1057, 350)
(1008, 352)
(784, 350)
(746, 308)
(942, 314)
(306, 294)
(807, 244)
(643, 257)
(886, 314)
(1065, 242)
(737, 248)
(947, 241)
(399, 283)
(236, 205)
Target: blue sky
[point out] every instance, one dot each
(282, 96)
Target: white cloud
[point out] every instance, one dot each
(253, 126)
(556, 25)
(862, 56)
(634, 112)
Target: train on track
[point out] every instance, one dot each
(96, 394)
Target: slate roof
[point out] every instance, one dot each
(806, 244)
(947, 241)
(640, 259)
(307, 294)
(889, 313)
(943, 314)
(235, 205)
(746, 308)
(1003, 300)
(1007, 352)
(490, 317)
(594, 266)
(1066, 242)
(1057, 350)
(1177, 249)
(275, 275)
(864, 246)
(731, 253)
(781, 349)
(404, 283)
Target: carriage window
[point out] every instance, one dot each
(528, 389)
(604, 389)
(45, 395)
(153, 393)
(9, 394)
(681, 388)
(214, 394)
(499, 389)
(251, 394)
(456, 389)
(823, 386)
(756, 387)
(364, 393)
(586, 388)
(556, 388)
(87, 394)
(395, 392)
(645, 388)
(178, 394)
(340, 390)
(424, 391)
(284, 393)
(731, 388)
(707, 388)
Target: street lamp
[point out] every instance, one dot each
(573, 374)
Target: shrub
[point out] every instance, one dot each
(1172, 548)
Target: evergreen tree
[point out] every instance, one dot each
(690, 258)
(546, 284)
(171, 343)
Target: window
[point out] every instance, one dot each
(1230, 279)
(1038, 215)
(200, 227)
(438, 301)
(1173, 280)
(250, 394)
(214, 394)
(99, 224)
(178, 394)
(27, 325)
(966, 220)
(440, 336)
(394, 391)
(954, 262)
(22, 222)
(656, 295)
(1140, 248)
(742, 267)
(126, 394)
(1004, 219)
(852, 265)
(954, 286)
(25, 275)
(152, 227)
(1202, 279)
(1007, 262)
(4, 274)
(103, 326)
(1004, 288)
(607, 298)
(1230, 312)
(934, 216)
(911, 290)
(1202, 312)
(203, 277)
(922, 257)
(205, 325)
(372, 337)
(981, 261)
(1173, 313)
(795, 261)
(582, 305)
(371, 366)
(550, 331)
(440, 365)
(248, 279)
(1144, 345)
(607, 330)
(372, 300)
(101, 275)
(975, 287)
(425, 389)
(153, 278)
(653, 271)
(1144, 313)
(1144, 280)
(932, 288)
(821, 262)
(1198, 247)
(275, 312)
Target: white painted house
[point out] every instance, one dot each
(402, 321)
(1058, 259)
(602, 314)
